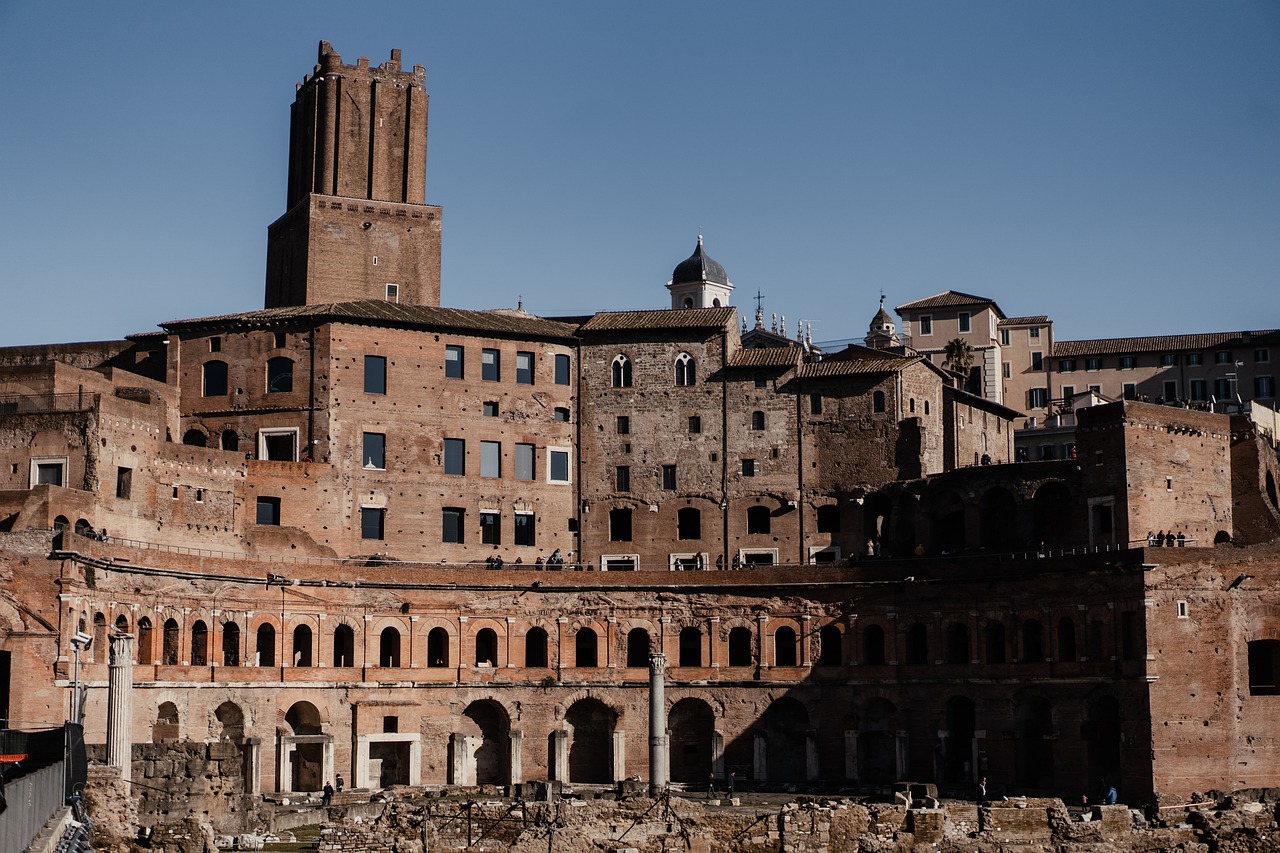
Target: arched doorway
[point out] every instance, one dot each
(947, 522)
(230, 722)
(691, 723)
(1033, 748)
(1102, 734)
(785, 725)
(590, 723)
(486, 723)
(998, 515)
(305, 750)
(877, 744)
(638, 648)
(958, 755)
(344, 646)
(1053, 509)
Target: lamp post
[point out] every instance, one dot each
(81, 641)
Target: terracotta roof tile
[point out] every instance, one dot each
(1037, 320)
(767, 357)
(855, 367)
(663, 318)
(948, 299)
(1163, 343)
(378, 312)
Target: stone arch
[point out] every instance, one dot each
(590, 724)
(639, 647)
(344, 646)
(304, 718)
(785, 726)
(195, 437)
(488, 723)
(691, 723)
(167, 724)
(229, 719)
(998, 519)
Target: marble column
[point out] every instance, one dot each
(657, 724)
(120, 706)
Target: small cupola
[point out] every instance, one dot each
(882, 333)
(699, 282)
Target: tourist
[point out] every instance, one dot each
(328, 795)
(340, 783)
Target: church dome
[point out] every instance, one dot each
(699, 267)
(882, 322)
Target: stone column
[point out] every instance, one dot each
(464, 765)
(560, 755)
(900, 755)
(515, 761)
(760, 758)
(851, 756)
(619, 755)
(253, 766)
(717, 753)
(120, 706)
(811, 765)
(657, 724)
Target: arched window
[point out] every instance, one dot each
(144, 641)
(690, 647)
(621, 371)
(757, 420)
(688, 523)
(535, 648)
(195, 438)
(1066, 639)
(995, 641)
(389, 647)
(877, 402)
(585, 648)
(757, 519)
(957, 643)
(830, 655)
(266, 645)
(230, 644)
(279, 374)
(1032, 641)
(230, 439)
(200, 644)
(302, 646)
(740, 647)
(438, 648)
(917, 644)
(486, 647)
(873, 645)
(638, 647)
(344, 646)
(686, 373)
(169, 653)
(215, 379)
(784, 647)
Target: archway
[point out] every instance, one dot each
(1102, 734)
(947, 522)
(166, 727)
(1033, 749)
(784, 646)
(958, 755)
(169, 652)
(877, 744)
(590, 723)
(691, 723)
(638, 648)
(265, 649)
(486, 647)
(535, 648)
(302, 646)
(389, 648)
(230, 722)
(438, 648)
(230, 644)
(785, 724)
(1053, 509)
(486, 722)
(199, 644)
(344, 646)
(998, 515)
(307, 758)
(690, 647)
(740, 646)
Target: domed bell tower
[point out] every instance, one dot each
(699, 282)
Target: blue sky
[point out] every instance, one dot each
(1113, 165)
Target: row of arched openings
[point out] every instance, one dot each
(215, 376)
(957, 647)
(685, 370)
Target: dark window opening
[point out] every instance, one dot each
(375, 374)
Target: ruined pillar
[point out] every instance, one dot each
(851, 756)
(657, 724)
(560, 755)
(900, 755)
(120, 706)
(812, 767)
(252, 766)
(717, 753)
(760, 758)
(619, 755)
(462, 760)
(515, 761)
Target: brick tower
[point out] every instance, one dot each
(356, 225)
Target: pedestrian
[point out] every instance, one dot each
(340, 783)
(733, 774)
(1151, 538)
(1182, 539)
(1160, 539)
(982, 790)
(328, 795)
(711, 786)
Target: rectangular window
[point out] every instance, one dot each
(623, 425)
(562, 370)
(1006, 369)
(1130, 391)
(1068, 391)
(1222, 357)
(1168, 360)
(1170, 389)
(393, 293)
(557, 466)
(815, 404)
(669, 477)
(453, 355)
(1066, 365)
(1093, 364)
(281, 340)
(1037, 398)
(1222, 389)
(375, 374)
(1264, 386)
(490, 528)
(215, 344)
(525, 530)
(964, 321)
(489, 409)
(268, 511)
(1004, 337)
(1261, 356)
(748, 467)
(490, 459)
(1196, 390)
(375, 451)
(524, 368)
(372, 521)
(490, 365)
(695, 424)
(622, 478)
(1128, 362)
(620, 525)
(124, 483)
(451, 525)
(1034, 333)
(762, 380)
(1195, 358)
(525, 456)
(278, 445)
(560, 415)
(1037, 361)
(455, 456)
(926, 325)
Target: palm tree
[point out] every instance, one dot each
(959, 356)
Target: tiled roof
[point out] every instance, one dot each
(378, 312)
(1038, 320)
(1163, 343)
(949, 299)
(978, 402)
(665, 318)
(859, 367)
(766, 357)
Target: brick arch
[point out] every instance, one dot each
(713, 700)
(576, 625)
(499, 626)
(562, 707)
(511, 709)
(379, 623)
(287, 698)
(728, 624)
(429, 623)
(679, 623)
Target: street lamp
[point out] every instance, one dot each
(80, 642)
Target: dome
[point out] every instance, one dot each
(882, 322)
(699, 267)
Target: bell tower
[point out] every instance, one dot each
(356, 224)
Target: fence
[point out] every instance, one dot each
(30, 802)
(27, 404)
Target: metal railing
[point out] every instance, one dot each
(31, 801)
(29, 404)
